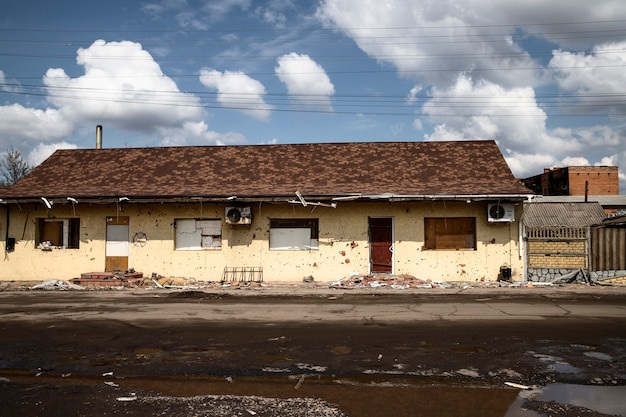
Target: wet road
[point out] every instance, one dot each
(372, 353)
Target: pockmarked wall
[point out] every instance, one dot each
(343, 242)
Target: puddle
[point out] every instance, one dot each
(564, 368)
(354, 395)
(557, 364)
(598, 355)
(607, 400)
(602, 399)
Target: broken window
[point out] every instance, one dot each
(198, 234)
(294, 234)
(457, 233)
(59, 233)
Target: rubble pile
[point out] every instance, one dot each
(56, 284)
(158, 281)
(108, 279)
(386, 281)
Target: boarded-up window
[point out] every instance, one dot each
(294, 234)
(450, 233)
(61, 233)
(198, 234)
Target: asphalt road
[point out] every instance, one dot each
(369, 352)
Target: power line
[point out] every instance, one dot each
(352, 107)
(289, 29)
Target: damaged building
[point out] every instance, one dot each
(446, 211)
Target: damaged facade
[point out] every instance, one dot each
(445, 211)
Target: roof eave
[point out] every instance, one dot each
(267, 198)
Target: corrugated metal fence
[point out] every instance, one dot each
(608, 248)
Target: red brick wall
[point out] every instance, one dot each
(602, 180)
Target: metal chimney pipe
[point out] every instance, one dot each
(99, 137)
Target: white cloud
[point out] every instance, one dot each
(574, 161)
(19, 123)
(306, 80)
(272, 141)
(595, 76)
(608, 160)
(411, 98)
(437, 39)
(484, 110)
(122, 86)
(44, 150)
(511, 117)
(434, 40)
(10, 86)
(237, 91)
(528, 164)
(197, 133)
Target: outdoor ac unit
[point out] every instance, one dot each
(238, 215)
(500, 213)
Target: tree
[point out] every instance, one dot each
(13, 168)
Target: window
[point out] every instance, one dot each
(294, 234)
(198, 234)
(59, 233)
(450, 233)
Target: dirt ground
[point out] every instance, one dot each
(208, 353)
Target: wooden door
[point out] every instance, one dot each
(381, 244)
(117, 244)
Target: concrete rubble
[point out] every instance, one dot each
(56, 284)
(386, 281)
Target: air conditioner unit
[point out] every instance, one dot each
(238, 215)
(500, 213)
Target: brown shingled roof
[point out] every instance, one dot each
(261, 171)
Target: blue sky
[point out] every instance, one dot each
(545, 79)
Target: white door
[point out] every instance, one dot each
(117, 244)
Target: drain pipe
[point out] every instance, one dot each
(6, 234)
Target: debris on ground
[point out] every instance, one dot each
(108, 279)
(131, 279)
(56, 284)
(554, 408)
(579, 276)
(380, 281)
(229, 405)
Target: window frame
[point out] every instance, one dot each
(70, 232)
(461, 229)
(286, 230)
(202, 228)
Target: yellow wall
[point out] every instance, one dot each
(343, 242)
